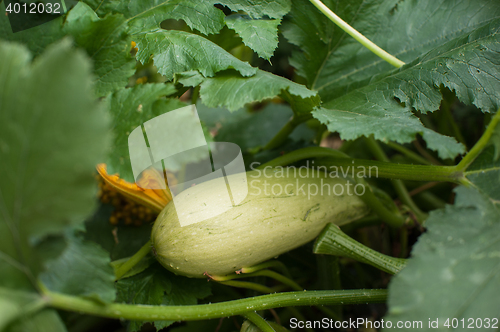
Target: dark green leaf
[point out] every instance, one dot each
(119, 241)
(345, 73)
(107, 43)
(250, 129)
(83, 269)
(157, 286)
(52, 133)
(467, 65)
(258, 8)
(36, 38)
(454, 270)
(232, 91)
(179, 51)
(334, 63)
(260, 35)
(130, 108)
(147, 15)
(16, 304)
(42, 321)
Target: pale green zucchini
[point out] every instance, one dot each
(263, 226)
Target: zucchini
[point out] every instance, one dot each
(267, 223)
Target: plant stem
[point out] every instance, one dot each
(356, 35)
(425, 154)
(212, 310)
(397, 183)
(286, 130)
(333, 241)
(448, 100)
(132, 261)
(480, 145)
(361, 167)
(269, 264)
(258, 321)
(264, 273)
(376, 206)
(297, 314)
(408, 153)
(195, 95)
(246, 284)
(63, 3)
(304, 153)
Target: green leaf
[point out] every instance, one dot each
(250, 129)
(42, 321)
(484, 173)
(52, 133)
(361, 101)
(260, 35)
(157, 286)
(334, 63)
(232, 91)
(179, 51)
(16, 304)
(36, 38)
(106, 42)
(466, 65)
(130, 108)
(454, 270)
(119, 241)
(83, 269)
(258, 8)
(147, 15)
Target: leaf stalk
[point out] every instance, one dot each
(356, 35)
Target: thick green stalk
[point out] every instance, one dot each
(356, 35)
(332, 241)
(212, 310)
(132, 261)
(364, 168)
(259, 321)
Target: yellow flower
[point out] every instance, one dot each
(155, 199)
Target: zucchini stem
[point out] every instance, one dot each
(356, 35)
(258, 321)
(212, 310)
(332, 241)
(335, 158)
(132, 261)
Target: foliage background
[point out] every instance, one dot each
(72, 89)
